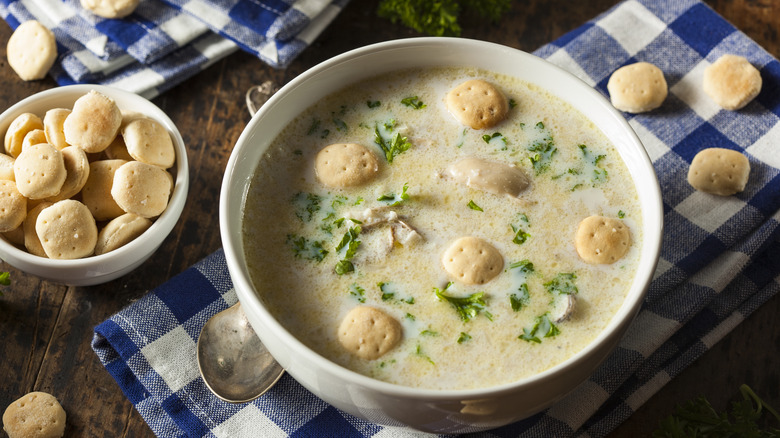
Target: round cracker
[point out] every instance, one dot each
(110, 8)
(53, 126)
(121, 231)
(117, 150)
(472, 260)
(142, 188)
(637, 88)
(477, 103)
(345, 165)
(40, 171)
(93, 123)
(13, 206)
(732, 82)
(96, 193)
(36, 414)
(31, 50)
(31, 240)
(7, 167)
(18, 129)
(602, 240)
(36, 136)
(149, 142)
(77, 173)
(368, 332)
(719, 171)
(67, 230)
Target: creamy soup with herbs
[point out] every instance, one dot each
(442, 228)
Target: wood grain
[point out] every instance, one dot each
(46, 328)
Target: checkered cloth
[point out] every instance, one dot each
(164, 42)
(720, 258)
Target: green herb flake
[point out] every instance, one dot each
(306, 205)
(429, 333)
(467, 307)
(349, 244)
(542, 150)
(472, 205)
(305, 249)
(621, 214)
(440, 18)
(512, 103)
(413, 102)
(562, 284)
(410, 317)
(358, 292)
(373, 103)
(392, 146)
(419, 352)
(525, 266)
(463, 337)
(542, 328)
(392, 199)
(521, 236)
(520, 299)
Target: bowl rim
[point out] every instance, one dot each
(161, 225)
(652, 218)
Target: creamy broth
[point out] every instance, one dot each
(287, 210)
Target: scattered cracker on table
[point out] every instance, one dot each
(637, 88)
(719, 171)
(18, 129)
(472, 260)
(37, 414)
(368, 332)
(121, 231)
(67, 230)
(93, 122)
(345, 165)
(602, 240)
(477, 104)
(13, 206)
(31, 50)
(732, 82)
(110, 8)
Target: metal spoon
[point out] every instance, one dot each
(233, 362)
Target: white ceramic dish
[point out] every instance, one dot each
(423, 409)
(106, 267)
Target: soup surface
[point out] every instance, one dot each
(315, 252)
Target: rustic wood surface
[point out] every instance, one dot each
(46, 328)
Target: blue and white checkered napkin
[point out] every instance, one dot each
(720, 258)
(165, 42)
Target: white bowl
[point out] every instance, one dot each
(106, 267)
(425, 409)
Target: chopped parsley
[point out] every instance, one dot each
(358, 292)
(463, 337)
(597, 173)
(389, 292)
(373, 103)
(413, 102)
(306, 249)
(392, 144)
(392, 199)
(472, 205)
(497, 136)
(542, 328)
(520, 235)
(467, 307)
(621, 214)
(521, 298)
(542, 149)
(562, 284)
(418, 352)
(349, 244)
(306, 205)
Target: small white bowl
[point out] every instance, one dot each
(106, 267)
(441, 411)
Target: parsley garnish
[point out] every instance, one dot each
(418, 352)
(563, 283)
(393, 147)
(306, 205)
(542, 328)
(621, 214)
(350, 242)
(358, 292)
(542, 150)
(439, 18)
(305, 249)
(413, 102)
(487, 138)
(467, 307)
(373, 103)
(394, 199)
(522, 297)
(697, 418)
(520, 235)
(463, 337)
(472, 205)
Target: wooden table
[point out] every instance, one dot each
(46, 328)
